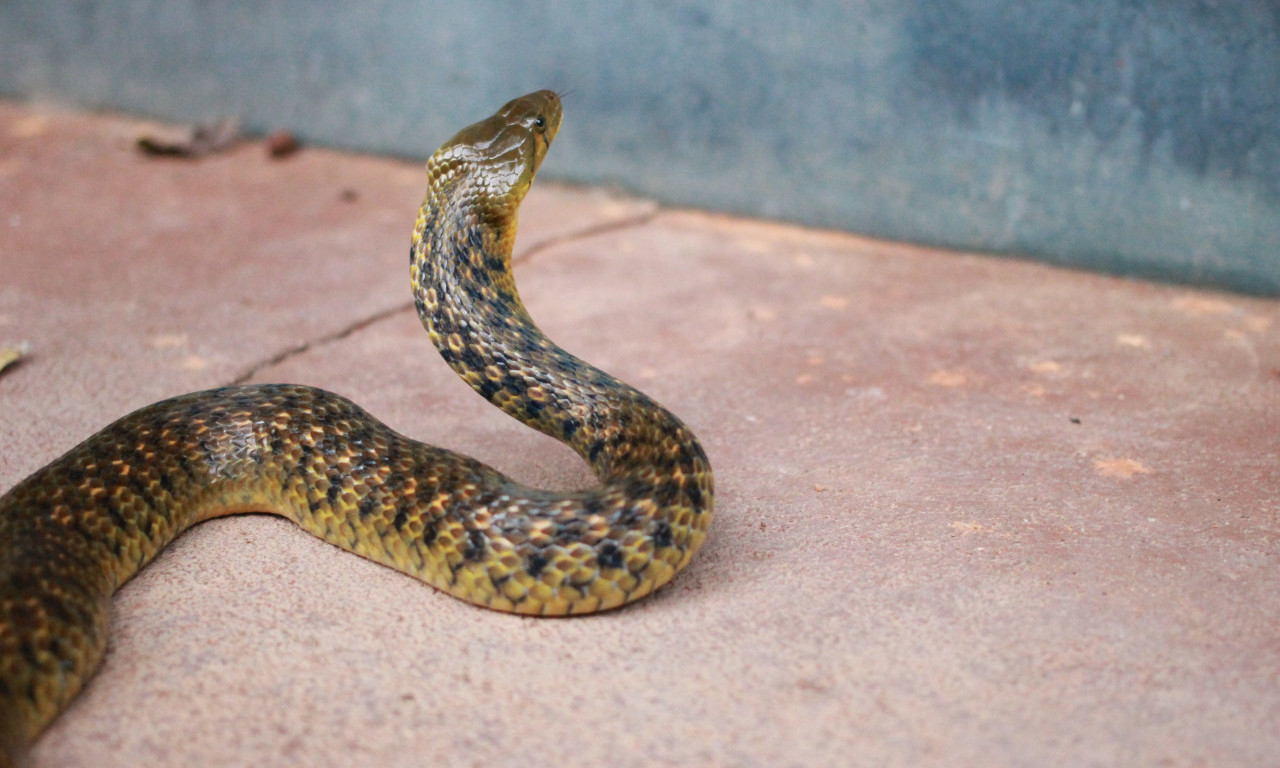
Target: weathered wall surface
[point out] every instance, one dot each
(1135, 137)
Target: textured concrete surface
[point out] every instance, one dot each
(1137, 136)
(971, 511)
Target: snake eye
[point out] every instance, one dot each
(540, 123)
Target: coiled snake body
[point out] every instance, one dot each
(77, 529)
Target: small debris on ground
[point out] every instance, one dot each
(281, 144)
(193, 141)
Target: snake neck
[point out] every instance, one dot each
(467, 300)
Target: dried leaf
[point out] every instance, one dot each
(194, 141)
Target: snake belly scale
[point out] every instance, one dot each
(77, 529)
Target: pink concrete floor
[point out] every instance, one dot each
(971, 511)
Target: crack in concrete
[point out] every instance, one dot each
(610, 226)
(627, 222)
(328, 338)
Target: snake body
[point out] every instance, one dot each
(77, 529)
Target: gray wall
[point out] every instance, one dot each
(1135, 136)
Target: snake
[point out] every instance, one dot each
(80, 527)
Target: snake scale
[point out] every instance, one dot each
(74, 531)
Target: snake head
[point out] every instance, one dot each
(498, 157)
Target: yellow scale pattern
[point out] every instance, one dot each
(77, 529)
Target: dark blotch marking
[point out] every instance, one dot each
(515, 385)
(535, 563)
(609, 556)
(366, 506)
(638, 489)
(662, 535)
(187, 467)
(113, 511)
(667, 493)
(307, 451)
(471, 358)
(628, 517)
(594, 451)
(277, 444)
(364, 466)
(488, 388)
(142, 489)
(443, 323)
(475, 546)
(500, 309)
